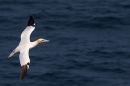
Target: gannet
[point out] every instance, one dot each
(24, 47)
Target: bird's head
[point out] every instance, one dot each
(40, 40)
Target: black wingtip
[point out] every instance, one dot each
(31, 22)
(23, 72)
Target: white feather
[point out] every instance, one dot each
(25, 36)
(24, 56)
(25, 45)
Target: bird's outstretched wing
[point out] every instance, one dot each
(25, 36)
(24, 61)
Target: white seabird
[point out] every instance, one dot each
(25, 45)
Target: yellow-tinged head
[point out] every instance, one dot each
(40, 40)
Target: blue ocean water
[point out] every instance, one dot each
(89, 42)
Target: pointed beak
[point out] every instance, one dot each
(45, 40)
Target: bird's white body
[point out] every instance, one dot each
(24, 46)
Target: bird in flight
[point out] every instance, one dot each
(25, 45)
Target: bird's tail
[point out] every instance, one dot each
(14, 51)
(11, 54)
